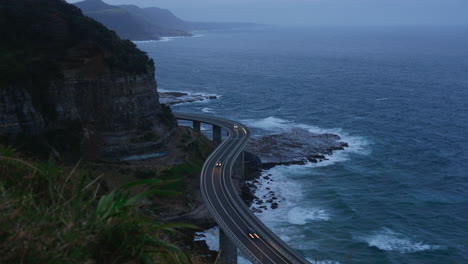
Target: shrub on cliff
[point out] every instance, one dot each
(49, 215)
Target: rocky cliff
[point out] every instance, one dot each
(71, 87)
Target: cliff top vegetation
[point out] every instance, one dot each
(41, 37)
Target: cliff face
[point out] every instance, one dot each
(70, 86)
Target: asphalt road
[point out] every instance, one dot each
(225, 204)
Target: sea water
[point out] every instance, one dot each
(398, 96)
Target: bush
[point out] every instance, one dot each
(51, 214)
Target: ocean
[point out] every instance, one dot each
(397, 95)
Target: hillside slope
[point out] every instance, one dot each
(128, 21)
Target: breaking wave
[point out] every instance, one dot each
(389, 240)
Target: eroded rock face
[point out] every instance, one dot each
(297, 146)
(107, 114)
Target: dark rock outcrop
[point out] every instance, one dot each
(172, 98)
(252, 166)
(72, 87)
(295, 147)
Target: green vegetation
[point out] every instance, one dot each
(54, 214)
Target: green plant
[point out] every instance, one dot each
(54, 214)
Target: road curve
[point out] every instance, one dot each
(225, 204)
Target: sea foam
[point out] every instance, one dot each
(166, 39)
(211, 237)
(389, 240)
(207, 110)
(301, 215)
(322, 261)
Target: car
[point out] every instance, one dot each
(218, 163)
(252, 234)
(236, 126)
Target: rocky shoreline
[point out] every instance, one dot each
(296, 147)
(172, 98)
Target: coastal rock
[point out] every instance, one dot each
(252, 166)
(172, 98)
(295, 147)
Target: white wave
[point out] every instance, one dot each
(301, 215)
(211, 237)
(165, 39)
(389, 240)
(145, 41)
(161, 90)
(207, 110)
(382, 99)
(289, 194)
(270, 124)
(322, 261)
(242, 260)
(189, 97)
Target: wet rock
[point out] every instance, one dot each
(257, 210)
(318, 157)
(252, 166)
(274, 205)
(337, 148)
(247, 194)
(172, 98)
(295, 147)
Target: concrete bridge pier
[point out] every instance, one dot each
(216, 135)
(228, 250)
(196, 125)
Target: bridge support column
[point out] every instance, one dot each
(196, 125)
(216, 135)
(227, 249)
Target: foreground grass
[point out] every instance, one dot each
(53, 214)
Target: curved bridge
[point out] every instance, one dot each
(224, 203)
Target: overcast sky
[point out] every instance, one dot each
(316, 12)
